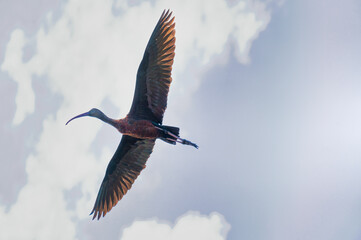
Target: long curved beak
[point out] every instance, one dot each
(80, 115)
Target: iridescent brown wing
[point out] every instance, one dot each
(124, 167)
(154, 73)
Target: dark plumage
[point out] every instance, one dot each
(143, 124)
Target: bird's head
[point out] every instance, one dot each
(94, 112)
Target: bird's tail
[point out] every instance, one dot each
(171, 135)
(168, 137)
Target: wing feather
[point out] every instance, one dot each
(125, 166)
(154, 73)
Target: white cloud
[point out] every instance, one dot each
(87, 55)
(13, 64)
(192, 226)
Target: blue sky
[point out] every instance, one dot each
(270, 90)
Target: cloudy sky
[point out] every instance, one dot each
(270, 90)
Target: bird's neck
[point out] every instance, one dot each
(110, 121)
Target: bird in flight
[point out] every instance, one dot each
(143, 124)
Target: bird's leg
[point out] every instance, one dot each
(178, 139)
(182, 140)
(171, 139)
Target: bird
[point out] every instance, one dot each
(144, 122)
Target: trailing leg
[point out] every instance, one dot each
(172, 137)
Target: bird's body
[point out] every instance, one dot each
(143, 124)
(140, 128)
(143, 129)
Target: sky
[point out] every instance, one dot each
(270, 90)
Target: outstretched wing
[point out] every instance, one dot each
(154, 73)
(124, 167)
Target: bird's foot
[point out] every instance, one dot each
(186, 142)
